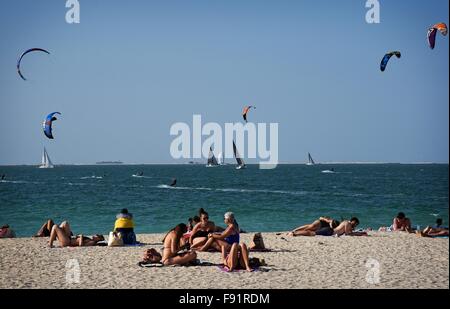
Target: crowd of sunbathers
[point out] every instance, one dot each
(182, 242)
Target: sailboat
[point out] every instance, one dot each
(310, 160)
(46, 162)
(212, 162)
(239, 161)
(220, 159)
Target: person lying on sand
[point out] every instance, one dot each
(435, 231)
(199, 234)
(227, 238)
(236, 258)
(63, 234)
(326, 230)
(320, 223)
(173, 244)
(347, 228)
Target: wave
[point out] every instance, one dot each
(138, 176)
(92, 177)
(237, 190)
(19, 181)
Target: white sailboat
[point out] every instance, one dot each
(220, 159)
(310, 160)
(46, 162)
(240, 162)
(212, 161)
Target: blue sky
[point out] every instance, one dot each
(131, 69)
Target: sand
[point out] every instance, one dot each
(401, 261)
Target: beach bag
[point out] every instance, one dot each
(115, 239)
(257, 242)
(151, 256)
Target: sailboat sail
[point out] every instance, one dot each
(212, 161)
(46, 162)
(310, 159)
(220, 159)
(239, 161)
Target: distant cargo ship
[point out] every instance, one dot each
(109, 162)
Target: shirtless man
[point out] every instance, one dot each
(347, 227)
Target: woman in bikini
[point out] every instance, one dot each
(237, 258)
(172, 246)
(227, 238)
(199, 234)
(322, 222)
(63, 234)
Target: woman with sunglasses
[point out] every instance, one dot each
(199, 234)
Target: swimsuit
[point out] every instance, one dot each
(232, 239)
(325, 231)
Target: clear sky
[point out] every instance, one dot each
(131, 69)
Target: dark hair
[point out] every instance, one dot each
(356, 220)
(439, 221)
(201, 212)
(196, 219)
(401, 215)
(179, 230)
(335, 224)
(124, 211)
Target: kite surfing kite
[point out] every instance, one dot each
(441, 27)
(48, 124)
(386, 58)
(24, 53)
(246, 110)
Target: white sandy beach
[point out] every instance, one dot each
(406, 261)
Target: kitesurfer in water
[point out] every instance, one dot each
(174, 182)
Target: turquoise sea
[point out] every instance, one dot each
(263, 200)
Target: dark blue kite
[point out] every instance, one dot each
(386, 58)
(48, 124)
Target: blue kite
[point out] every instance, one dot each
(386, 58)
(48, 124)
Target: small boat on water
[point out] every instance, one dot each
(46, 162)
(310, 160)
(212, 161)
(240, 162)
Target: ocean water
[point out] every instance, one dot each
(89, 197)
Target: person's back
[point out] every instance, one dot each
(7, 232)
(125, 226)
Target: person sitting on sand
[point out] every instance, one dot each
(63, 232)
(347, 228)
(7, 232)
(236, 258)
(320, 223)
(436, 231)
(192, 222)
(125, 226)
(45, 229)
(227, 238)
(173, 244)
(325, 229)
(199, 234)
(401, 223)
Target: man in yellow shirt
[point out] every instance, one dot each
(125, 226)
